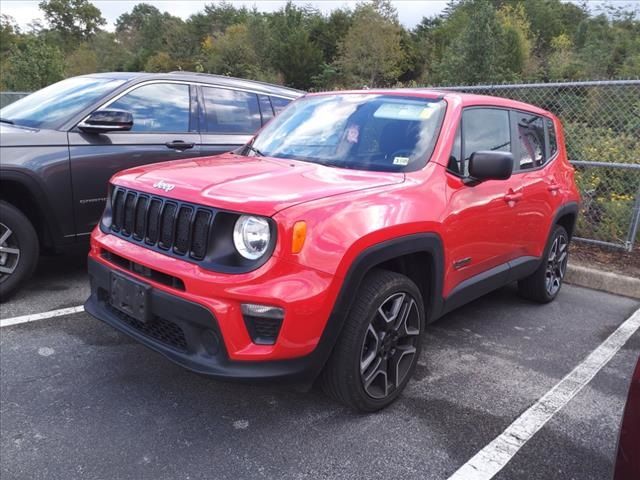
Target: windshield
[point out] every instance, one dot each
(359, 131)
(48, 107)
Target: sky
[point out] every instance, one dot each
(410, 12)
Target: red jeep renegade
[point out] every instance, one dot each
(324, 246)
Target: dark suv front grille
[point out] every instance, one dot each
(169, 225)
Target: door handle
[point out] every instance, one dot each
(513, 196)
(553, 188)
(180, 145)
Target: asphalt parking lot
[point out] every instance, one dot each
(80, 400)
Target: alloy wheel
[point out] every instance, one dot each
(389, 345)
(556, 264)
(9, 252)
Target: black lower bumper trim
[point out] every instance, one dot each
(202, 348)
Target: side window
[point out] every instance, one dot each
(531, 143)
(157, 107)
(279, 103)
(231, 111)
(484, 129)
(456, 165)
(553, 143)
(265, 108)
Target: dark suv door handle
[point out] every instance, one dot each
(180, 145)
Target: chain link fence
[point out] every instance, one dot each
(9, 97)
(602, 132)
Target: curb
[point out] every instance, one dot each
(604, 281)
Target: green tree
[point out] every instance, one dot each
(73, 20)
(146, 31)
(474, 55)
(292, 51)
(371, 53)
(232, 53)
(9, 33)
(32, 65)
(81, 61)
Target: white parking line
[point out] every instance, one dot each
(492, 458)
(40, 316)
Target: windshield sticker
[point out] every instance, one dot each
(401, 161)
(353, 132)
(401, 111)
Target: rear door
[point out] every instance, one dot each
(482, 222)
(228, 119)
(536, 148)
(165, 127)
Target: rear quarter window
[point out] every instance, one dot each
(553, 142)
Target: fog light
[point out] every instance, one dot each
(262, 311)
(263, 322)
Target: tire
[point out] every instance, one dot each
(544, 284)
(374, 341)
(16, 235)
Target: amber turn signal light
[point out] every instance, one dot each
(299, 236)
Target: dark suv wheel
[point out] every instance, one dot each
(379, 346)
(545, 283)
(19, 249)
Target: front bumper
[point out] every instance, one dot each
(189, 334)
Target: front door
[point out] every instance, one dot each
(164, 128)
(482, 219)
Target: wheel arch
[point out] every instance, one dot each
(425, 246)
(567, 216)
(19, 190)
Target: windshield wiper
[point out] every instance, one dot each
(255, 150)
(5, 120)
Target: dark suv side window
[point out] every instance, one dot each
(482, 129)
(279, 103)
(231, 111)
(157, 107)
(532, 151)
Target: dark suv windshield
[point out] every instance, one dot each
(359, 131)
(49, 107)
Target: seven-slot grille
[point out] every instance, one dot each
(158, 222)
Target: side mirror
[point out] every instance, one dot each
(490, 165)
(102, 121)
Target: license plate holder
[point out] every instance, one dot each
(130, 297)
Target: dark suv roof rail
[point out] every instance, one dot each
(225, 77)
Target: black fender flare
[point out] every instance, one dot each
(564, 209)
(429, 243)
(36, 192)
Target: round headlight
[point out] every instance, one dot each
(251, 236)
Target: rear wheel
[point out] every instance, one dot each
(545, 283)
(19, 249)
(379, 346)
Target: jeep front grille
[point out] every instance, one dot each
(168, 225)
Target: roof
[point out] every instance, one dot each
(219, 80)
(466, 99)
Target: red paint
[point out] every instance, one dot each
(346, 211)
(628, 458)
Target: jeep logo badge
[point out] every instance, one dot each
(162, 185)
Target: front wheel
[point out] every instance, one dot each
(544, 284)
(379, 346)
(19, 249)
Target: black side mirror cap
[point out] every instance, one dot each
(102, 121)
(490, 165)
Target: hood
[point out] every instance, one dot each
(17, 136)
(258, 185)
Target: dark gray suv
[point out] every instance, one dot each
(60, 145)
